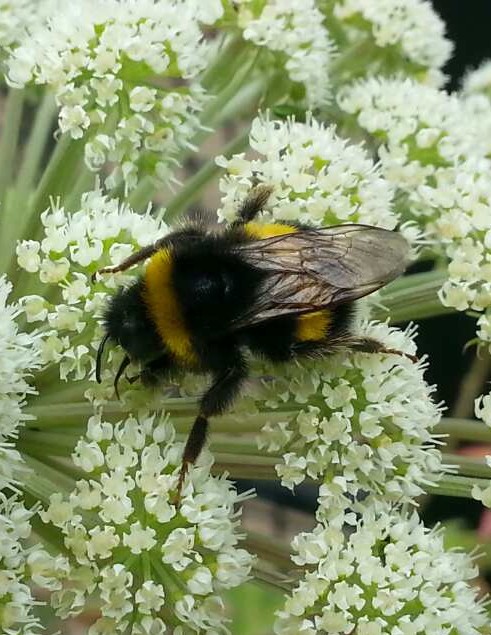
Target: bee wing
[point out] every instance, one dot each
(311, 269)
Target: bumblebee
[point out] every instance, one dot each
(209, 294)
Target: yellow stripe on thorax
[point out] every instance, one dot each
(268, 230)
(164, 308)
(312, 326)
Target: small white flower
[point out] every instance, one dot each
(28, 255)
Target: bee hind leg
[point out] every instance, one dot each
(219, 395)
(370, 345)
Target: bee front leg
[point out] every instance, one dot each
(253, 203)
(216, 399)
(134, 259)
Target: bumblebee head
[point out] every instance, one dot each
(127, 323)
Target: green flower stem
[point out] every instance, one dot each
(9, 138)
(263, 572)
(274, 551)
(195, 185)
(42, 480)
(351, 61)
(252, 467)
(50, 535)
(84, 183)
(58, 178)
(243, 68)
(32, 153)
(467, 466)
(230, 58)
(52, 446)
(140, 197)
(464, 429)
(412, 297)
(450, 485)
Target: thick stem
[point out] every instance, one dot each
(450, 485)
(467, 466)
(9, 138)
(412, 297)
(464, 429)
(195, 185)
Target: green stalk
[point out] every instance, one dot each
(9, 138)
(274, 551)
(229, 58)
(412, 297)
(58, 177)
(35, 147)
(450, 485)
(465, 430)
(195, 185)
(251, 467)
(42, 480)
(468, 466)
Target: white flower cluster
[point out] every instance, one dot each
(396, 35)
(15, 16)
(296, 32)
(19, 357)
(317, 177)
(478, 81)
(359, 423)
(434, 148)
(113, 67)
(16, 600)
(101, 233)
(391, 576)
(125, 535)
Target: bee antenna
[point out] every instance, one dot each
(126, 361)
(98, 363)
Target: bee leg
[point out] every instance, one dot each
(253, 203)
(215, 400)
(369, 345)
(134, 259)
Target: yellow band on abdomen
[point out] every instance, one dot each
(268, 230)
(313, 326)
(164, 308)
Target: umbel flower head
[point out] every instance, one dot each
(317, 177)
(434, 149)
(388, 36)
(390, 576)
(150, 562)
(74, 246)
(113, 67)
(294, 32)
(359, 423)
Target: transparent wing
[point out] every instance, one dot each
(312, 269)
